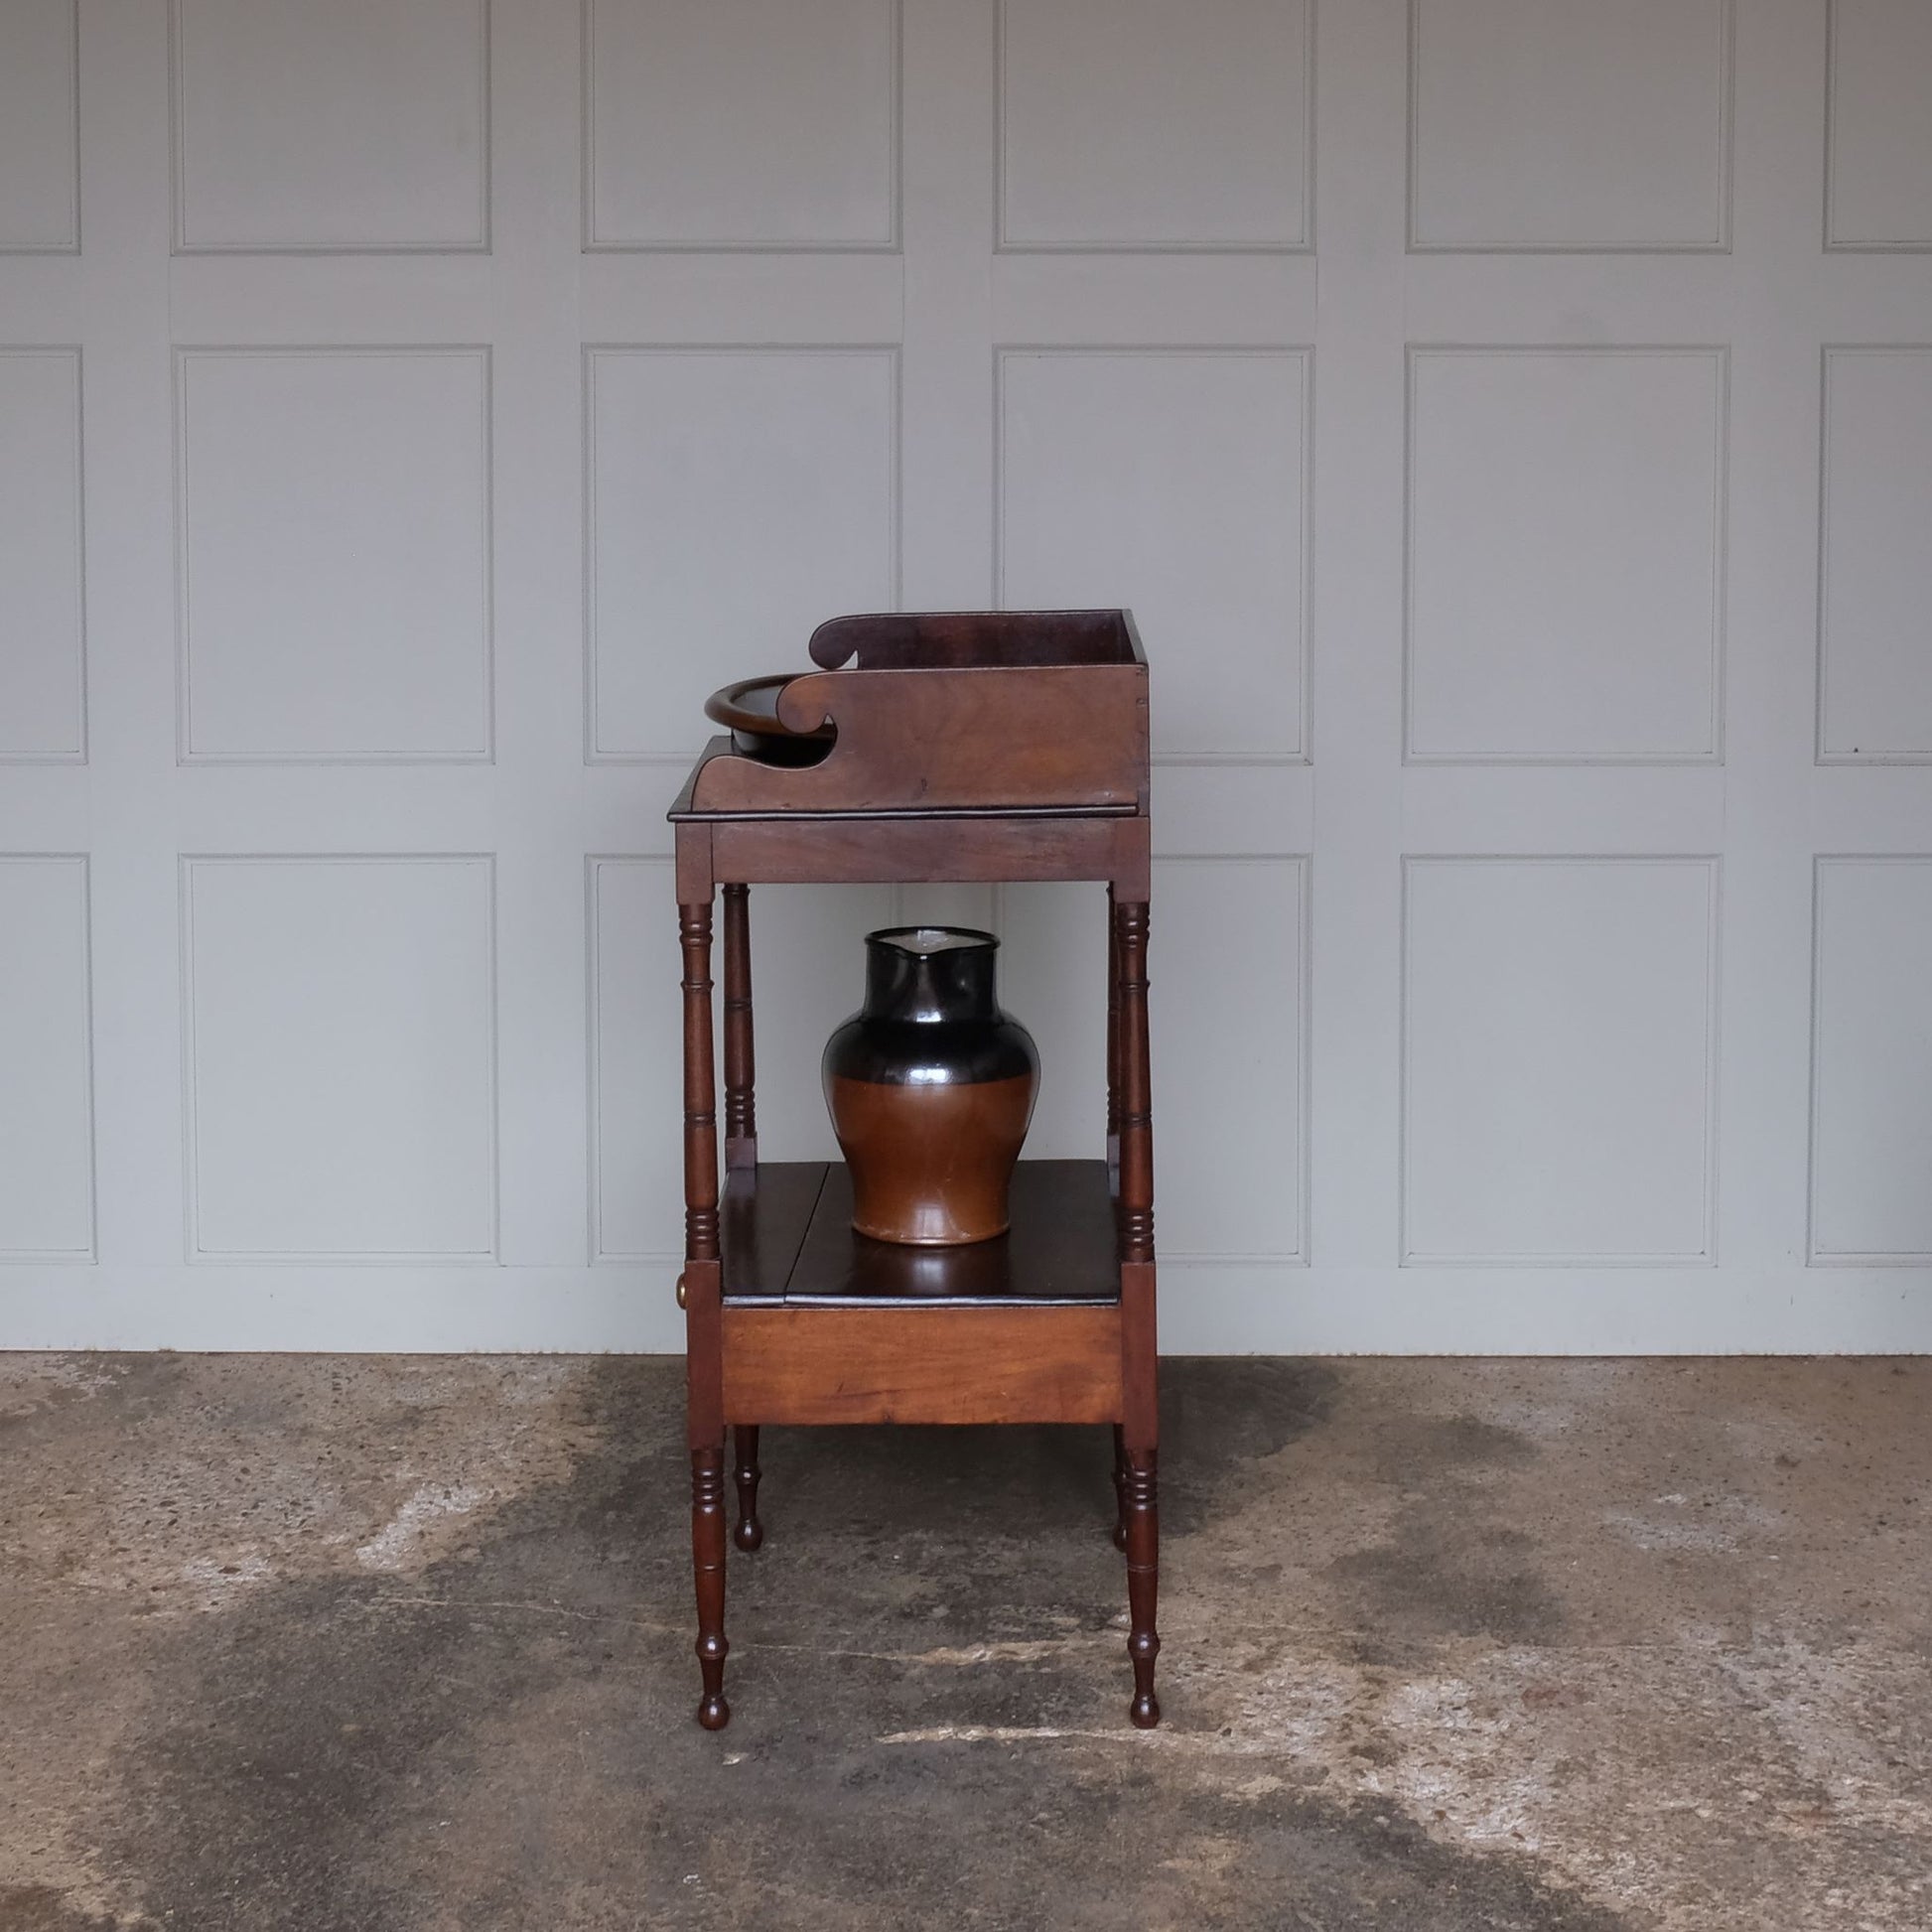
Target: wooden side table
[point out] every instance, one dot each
(978, 748)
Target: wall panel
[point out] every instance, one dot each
(1879, 161)
(1566, 554)
(47, 1152)
(339, 1049)
(360, 125)
(334, 553)
(1570, 124)
(1559, 1061)
(1874, 634)
(40, 120)
(43, 623)
(759, 124)
(1174, 480)
(1193, 132)
(1871, 1063)
(726, 490)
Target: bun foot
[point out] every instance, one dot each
(715, 1713)
(1145, 1711)
(749, 1534)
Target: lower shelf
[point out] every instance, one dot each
(788, 1241)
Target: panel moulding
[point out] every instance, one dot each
(1821, 753)
(1719, 241)
(594, 242)
(1835, 242)
(179, 214)
(1300, 243)
(1816, 1256)
(195, 1253)
(1706, 1255)
(1712, 753)
(89, 1255)
(1303, 356)
(596, 352)
(185, 356)
(68, 244)
(73, 353)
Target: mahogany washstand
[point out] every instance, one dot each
(976, 746)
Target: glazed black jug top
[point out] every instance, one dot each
(931, 974)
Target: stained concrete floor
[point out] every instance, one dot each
(388, 1645)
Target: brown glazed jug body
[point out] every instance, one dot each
(931, 1089)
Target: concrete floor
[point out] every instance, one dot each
(360, 1645)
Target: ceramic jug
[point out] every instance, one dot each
(931, 1089)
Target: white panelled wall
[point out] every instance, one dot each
(1512, 421)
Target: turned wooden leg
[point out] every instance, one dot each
(1140, 1430)
(1120, 1487)
(1143, 1583)
(750, 1532)
(704, 1359)
(1135, 1105)
(708, 1562)
(741, 1080)
(1113, 1039)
